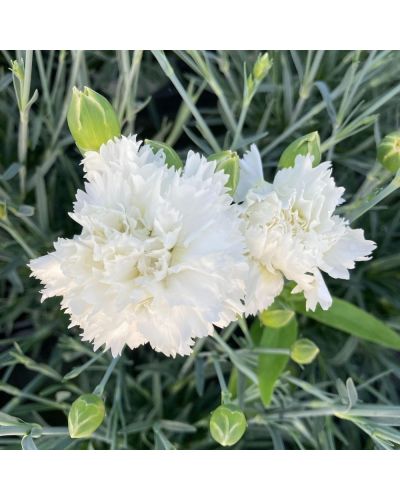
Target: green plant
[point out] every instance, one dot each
(210, 101)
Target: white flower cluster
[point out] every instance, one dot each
(165, 254)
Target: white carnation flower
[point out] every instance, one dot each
(160, 256)
(291, 232)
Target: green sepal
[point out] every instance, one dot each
(228, 161)
(171, 156)
(307, 145)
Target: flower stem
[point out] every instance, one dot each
(370, 203)
(225, 394)
(100, 388)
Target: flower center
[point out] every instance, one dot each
(295, 219)
(154, 260)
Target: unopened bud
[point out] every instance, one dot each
(307, 145)
(304, 351)
(228, 161)
(85, 416)
(262, 66)
(389, 152)
(17, 68)
(92, 120)
(171, 156)
(227, 424)
(276, 318)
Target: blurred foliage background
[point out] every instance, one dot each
(206, 101)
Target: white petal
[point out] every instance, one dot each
(262, 288)
(251, 173)
(343, 255)
(315, 293)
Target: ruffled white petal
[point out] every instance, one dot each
(251, 173)
(315, 292)
(160, 255)
(262, 286)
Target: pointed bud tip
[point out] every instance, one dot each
(309, 144)
(91, 119)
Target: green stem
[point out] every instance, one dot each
(24, 120)
(100, 388)
(267, 350)
(367, 205)
(225, 394)
(242, 118)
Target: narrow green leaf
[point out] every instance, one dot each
(11, 171)
(351, 319)
(175, 426)
(351, 392)
(199, 375)
(270, 366)
(161, 440)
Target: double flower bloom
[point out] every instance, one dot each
(165, 255)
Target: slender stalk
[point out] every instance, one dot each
(103, 382)
(24, 120)
(225, 394)
(368, 204)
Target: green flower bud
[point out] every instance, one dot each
(276, 318)
(308, 144)
(171, 156)
(304, 351)
(17, 67)
(228, 161)
(262, 66)
(227, 424)
(92, 120)
(389, 152)
(85, 416)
